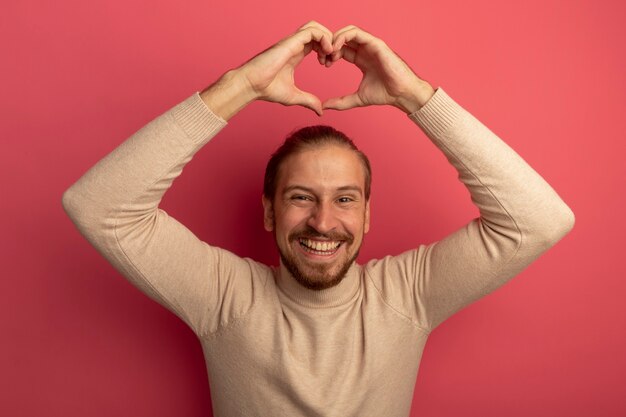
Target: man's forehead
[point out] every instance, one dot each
(331, 166)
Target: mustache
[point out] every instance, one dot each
(310, 233)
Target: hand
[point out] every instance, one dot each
(270, 74)
(387, 79)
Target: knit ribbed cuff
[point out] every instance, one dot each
(196, 119)
(439, 113)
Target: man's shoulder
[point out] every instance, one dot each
(390, 264)
(394, 271)
(231, 262)
(395, 279)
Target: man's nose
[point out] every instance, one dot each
(323, 218)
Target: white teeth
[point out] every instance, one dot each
(320, 246)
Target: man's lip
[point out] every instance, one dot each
(318, 254)
(317, 239)
(322, 238)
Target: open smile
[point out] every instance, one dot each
(320, 248)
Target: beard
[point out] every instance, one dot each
(317, 276)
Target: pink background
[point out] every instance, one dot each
(79, 77)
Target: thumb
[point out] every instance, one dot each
(342, 103)
(308, 100)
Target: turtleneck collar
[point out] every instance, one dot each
(340, 294)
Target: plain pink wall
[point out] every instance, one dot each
(79, 77)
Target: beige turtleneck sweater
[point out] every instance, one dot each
(274, 348)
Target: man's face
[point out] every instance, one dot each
(319, 214)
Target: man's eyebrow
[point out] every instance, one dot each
(310, 190)
(297, 187)
(351, 188)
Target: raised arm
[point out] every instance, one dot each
(521, 216)
(115, 204)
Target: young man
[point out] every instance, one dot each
(319, 335)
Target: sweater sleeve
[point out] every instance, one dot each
(521, 217)
(115, 206)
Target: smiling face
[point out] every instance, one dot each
(319, 214)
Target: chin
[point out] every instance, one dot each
(319, 283)
(317, 279)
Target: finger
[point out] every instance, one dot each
(346, 52)
(313, 23)
(314, 39)
(352, 36)
(337, 45)
(342, 103)
(339, 33)
(342, 30)
(347, 36)
(320, 54)
(304, 39)
(308, 47)
(321, 27)
(318, 33)
(322, 57)
(308, 100)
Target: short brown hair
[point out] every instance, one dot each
(305, 138)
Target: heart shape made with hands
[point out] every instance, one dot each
(282, 87)
(386, 78)
(311, 79)
(357, 97)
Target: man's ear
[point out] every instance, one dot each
(268, 214)
(367, 217)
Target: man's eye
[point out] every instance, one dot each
(301, 197)
(345, 199)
